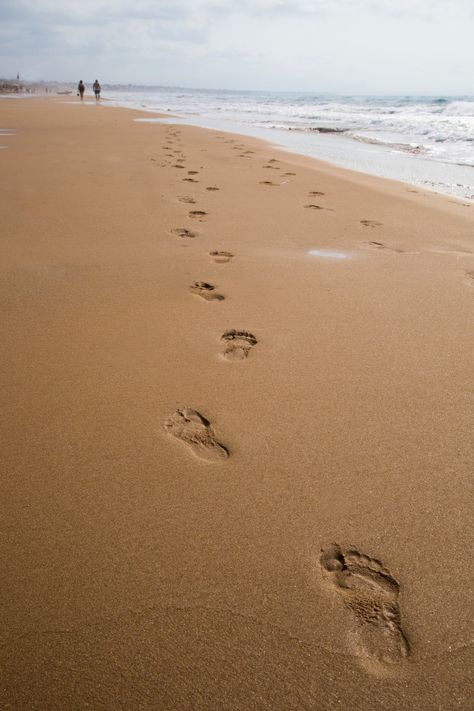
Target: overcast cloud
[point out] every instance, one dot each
(339, 46)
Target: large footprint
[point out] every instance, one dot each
(220, 256)
(206, 291)
(194, 430)
(238, 344)
(371, 593)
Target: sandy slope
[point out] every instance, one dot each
(274, 520)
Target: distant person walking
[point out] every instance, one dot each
(80, 89)
(96, 87)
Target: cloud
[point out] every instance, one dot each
(313, 44)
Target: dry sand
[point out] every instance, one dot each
(255, 501)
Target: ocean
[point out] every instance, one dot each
(426, 141)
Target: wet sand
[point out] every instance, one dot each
(235, 475)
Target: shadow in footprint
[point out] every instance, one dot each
(194, 430)
(266, 182)
(206, 291)
(371, 223)
(197, 213)
(190, 180)
(315, 193)
(372, 244)
(184, 232)
(193, 172)
(238, 344)
(221, 257)
(371, 593)
(212, 188)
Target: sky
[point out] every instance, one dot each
(335, 46)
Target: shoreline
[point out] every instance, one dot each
(340, 149)
(179, 466)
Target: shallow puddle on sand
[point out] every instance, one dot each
(328, 254)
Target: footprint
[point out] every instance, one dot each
(266, 182)
(315, 192)
(188, 200)
(193, 429)
(212, 188)
(193, 172)
(470, 276)
(314, 207)
(184, 232)
(273, 160)
(238, 344)
(221, 257)
(271, 167)
(371, 223)
(197, 213)
(177, 165)
(207, 291)
(190, 180)
(289, 173)
(376, 245)
(371, 593)
(380, 245)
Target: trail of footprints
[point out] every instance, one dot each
(187, 425)
(365, 587)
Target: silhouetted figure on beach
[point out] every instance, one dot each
(80, 89)
(96, 87)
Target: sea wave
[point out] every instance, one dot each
(440, 128)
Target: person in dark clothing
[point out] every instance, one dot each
(96, 87)
(80, 89)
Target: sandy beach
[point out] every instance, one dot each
(237, 424)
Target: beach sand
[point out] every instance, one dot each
(229, 481)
